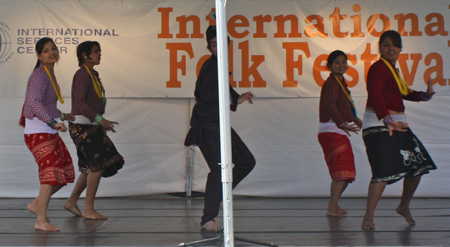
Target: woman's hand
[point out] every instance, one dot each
(60, 127)
(108, 125)
(350, 128)
(358, 122)
(397, 126)
(246, 96)
(430, 92)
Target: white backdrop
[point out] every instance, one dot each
(280, 127)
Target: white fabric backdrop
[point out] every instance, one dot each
(280, 131)
(282, 134)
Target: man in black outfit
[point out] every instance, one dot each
(205, 133)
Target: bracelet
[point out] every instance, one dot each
(61, 116)
(98, 119)
(52, 123)
(387, 120)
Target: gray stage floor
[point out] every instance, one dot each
(166, 220)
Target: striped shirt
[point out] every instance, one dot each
(41, 99)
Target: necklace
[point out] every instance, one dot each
(57, 90)
(352, 104)
(404, 89)
(98, 87)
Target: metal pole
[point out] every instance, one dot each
(225, 129)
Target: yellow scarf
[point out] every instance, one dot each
(404, 89)
(56, 87)
(97, 85)
(345, 91)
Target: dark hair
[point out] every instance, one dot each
(333, 57)
(394, 35)
(211, 33)
(86, 47)
(40, 46)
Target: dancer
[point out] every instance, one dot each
(337, 119)
(393, 150)
(97, 155)
(204, 132)
(39, 119)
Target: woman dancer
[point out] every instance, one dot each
(393, 150)
(97, 155)
(39, 118)
(337, 119)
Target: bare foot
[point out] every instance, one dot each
(343, 210)
(73, 208)
(336, 212)
(211, 226)
(406, 214)
(45, 226)
(93, 215)
(367, 223)
(32, 207)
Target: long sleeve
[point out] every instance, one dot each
(206, 111)
(414, 96)
(207, 87)
(378, 76)
(334, 104)
(40, 99)
(330, 95)
(383, 93)
(84, 98)
(234, 99)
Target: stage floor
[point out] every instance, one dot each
(167, 220)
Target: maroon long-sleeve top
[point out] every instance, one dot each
(383, 93)
(334, 104)
(85, 100)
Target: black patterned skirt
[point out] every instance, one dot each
(95, 150)
(394, 157)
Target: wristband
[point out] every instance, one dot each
(52, 123)
(98, 119)
(387, 120)
(61, 116)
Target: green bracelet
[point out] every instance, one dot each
(98, 119)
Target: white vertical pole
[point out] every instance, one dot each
(224, 116)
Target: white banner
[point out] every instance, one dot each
(278, 49)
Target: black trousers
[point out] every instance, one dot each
(243, 161)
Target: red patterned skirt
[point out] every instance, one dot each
(52, 157)
(338, 156)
